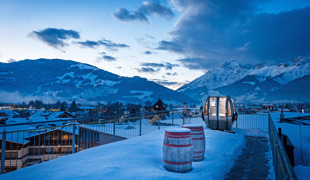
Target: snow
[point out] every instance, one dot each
(107, 83)
(84, 66)
(252, 132)
(300, 137)
(130, 130)
(137, 158)
(257, 89)
(251, 83)
(302, 172)
(13, 137)
(61, 78)
(178, 130)
(192, 125)
(231, 72)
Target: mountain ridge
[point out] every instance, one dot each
(249, 82)
(70, 80)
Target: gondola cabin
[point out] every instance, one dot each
(219, 112)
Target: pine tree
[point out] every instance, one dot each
(63, 108)
(73, 106)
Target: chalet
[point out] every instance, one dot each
(160, 107)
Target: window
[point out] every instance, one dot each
(213, 106)
(48, 149)
(64, 149)
(222, 106)
(206, 108)
(56, 149)
(229, 109)
(65, 137)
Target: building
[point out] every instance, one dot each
(51, 144)
(160, 107)
(91, 136)
(16, 148)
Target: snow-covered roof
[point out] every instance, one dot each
(15, 137)
(21, 132)
(17, 120)
(42, 116)
(9, 112)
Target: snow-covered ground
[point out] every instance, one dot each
(300, 137)
(137, 158)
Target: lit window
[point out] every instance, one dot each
(65, 137)
(213, 106)
(222, 106)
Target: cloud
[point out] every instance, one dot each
(146, 9)
(109, 58)
(148, 41)
(154, 65)
(155, 7)
(167, 65)
(214, 31)
(89, 44)
(55, 37)
(167, 83)
(198, 63)
(147, 52)
(147, 70)
(171, 46)
(104, 42)
(11, 60)
(171, 74)
(16, 97)
(123, 14)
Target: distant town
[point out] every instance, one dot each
(85, 112)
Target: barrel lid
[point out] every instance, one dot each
(178, 130)
(192, 125)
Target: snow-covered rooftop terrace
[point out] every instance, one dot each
(137, 158)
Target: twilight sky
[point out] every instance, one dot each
(170, 42)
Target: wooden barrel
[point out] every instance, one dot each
(198, 140)
(178, 150)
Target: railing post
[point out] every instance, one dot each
(140, 130)
(114, 122)
(73, 139)
(158, 123)
(236, 123)
(3, 152)
(172, 118)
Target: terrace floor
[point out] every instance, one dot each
(253, 162)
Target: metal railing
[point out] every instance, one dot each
(26, 144)
(30, 145)
(282, 166)
(281, 163)
(252, 121)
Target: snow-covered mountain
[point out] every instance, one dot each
(70, 80)
(254, 82)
